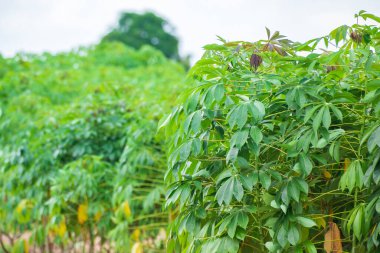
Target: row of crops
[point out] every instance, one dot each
(270, 146)
(81, 165)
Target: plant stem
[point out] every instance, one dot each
(2, 244)
(92, 239)
(353, 236)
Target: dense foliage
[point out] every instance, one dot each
(80, 164)
(137, 30)
(277, 147)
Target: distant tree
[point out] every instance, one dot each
(136, 30)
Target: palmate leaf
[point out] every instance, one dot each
(238, 116)
(231, 187)
(310, 113)
(305, 164)
(353, 177)
(239, 139)
(370, 16)
(232, 221)
(223, 244)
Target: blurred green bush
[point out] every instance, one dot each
(80, 162)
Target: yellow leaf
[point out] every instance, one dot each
(23, 211)
(26, 246)
(346, 163)
(137, 248)
(61, 228)
(136, 234)
(321, 222)
(327, 174)
(333, 243)
(82, 213)
(172, 215)
(22, 205)
(98, 215)
(127, 209)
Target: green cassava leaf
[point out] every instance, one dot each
(293, 235)
(305, 164)
(231, 187)
(374, 140)
(256, 134)
(305, 222)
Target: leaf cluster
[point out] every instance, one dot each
(275, 140)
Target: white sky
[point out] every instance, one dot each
(60, 25)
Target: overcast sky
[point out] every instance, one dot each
(60, 25)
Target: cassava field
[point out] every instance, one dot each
(266, 146)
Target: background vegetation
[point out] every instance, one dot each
(81, 165)
(137, 30)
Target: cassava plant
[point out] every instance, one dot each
(276, 148)
(81, 166)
